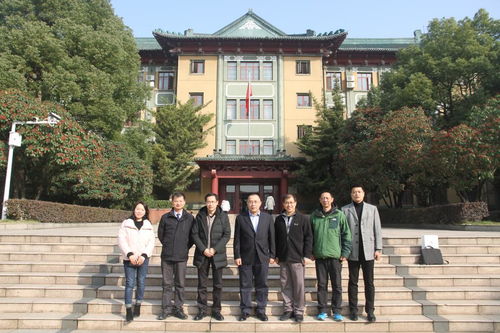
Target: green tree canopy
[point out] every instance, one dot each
(456, 66)
(75, 53)
(179, 131)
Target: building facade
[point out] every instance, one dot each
(253, 150)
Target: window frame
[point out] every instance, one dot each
(303, 67)
(167, 79)
(363, 80)
(301, 96)
(194, 96)
(194, 68)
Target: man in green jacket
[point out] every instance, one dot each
(331, 246)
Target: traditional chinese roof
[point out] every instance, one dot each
(246, 158)
(377, 44)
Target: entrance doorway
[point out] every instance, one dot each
(237, 193)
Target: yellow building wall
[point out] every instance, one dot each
(299, 83)
(205, 83)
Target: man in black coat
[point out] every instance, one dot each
(294, 242)
(254, 250)
(174, 233)
(211, 232)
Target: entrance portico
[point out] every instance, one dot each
(234, 177)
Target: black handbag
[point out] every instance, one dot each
(431, 256)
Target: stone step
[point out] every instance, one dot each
(118, 279)
(35, 266)
(445, 249)
(456, 293)
(452, 280)
(393, 323)
(78, 239)
(89, 305)
(450, 269)
(155, 292)
(450, 258)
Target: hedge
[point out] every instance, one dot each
(441, 214)
(45, 211)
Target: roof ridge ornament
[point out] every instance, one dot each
(250, 25)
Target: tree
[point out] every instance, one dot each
(322, 169)
(179, 131)
(455, 67)
(116, 178)
(384, 151)
(75, 53)
(46, 151)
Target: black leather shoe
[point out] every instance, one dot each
(200, 316)
(137, 310)
(179, 314)
(353, 316)
(243, 317)
(129, 316)
(371, 318)
(163, 316)
(217, 316)
(262, 317)
(286, 315)
(299, 318)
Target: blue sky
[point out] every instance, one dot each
(362, 18)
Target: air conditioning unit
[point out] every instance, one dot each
(350, 84)
(150, 77)
(349, 78)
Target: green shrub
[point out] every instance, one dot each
(152, 203)
(45, 211)
(441, 214)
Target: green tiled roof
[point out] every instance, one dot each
(147, 43)
(375, 44)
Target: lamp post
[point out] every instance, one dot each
(15, 140)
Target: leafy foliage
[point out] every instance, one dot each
(75, 53)
(180, 130)
(455, 67)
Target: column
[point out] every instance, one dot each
(215, 182)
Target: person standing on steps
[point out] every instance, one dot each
(254, 250)
(364, 223)
(331, 247)
(294, 240)
(136, 240)
(211, 232)
(174, 232)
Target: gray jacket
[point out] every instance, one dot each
(370, 229)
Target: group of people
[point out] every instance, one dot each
(328, 237)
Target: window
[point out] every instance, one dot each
(268, 109)
(166, 81)
(251, 148)
(267, 147)
(231, 147)
(267, 71)
(254, 109)
(231, 109)
(364, 81)
(303, 130)
(197, 66)
(249, 70)
(333, 80)
(303, 100)
(231, 70)
(197, 98)
(164, 98)
(303, 67)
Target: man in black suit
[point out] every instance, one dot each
(254, 250)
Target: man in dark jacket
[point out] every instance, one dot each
(294, 241)
(174, 232)
(211, 232)
(254, 250)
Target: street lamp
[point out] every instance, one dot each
(15, 140)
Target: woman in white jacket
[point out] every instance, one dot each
(136, 240)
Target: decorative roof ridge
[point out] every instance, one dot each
(290, 37)
(254, 16)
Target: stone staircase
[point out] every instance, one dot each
(73, 282)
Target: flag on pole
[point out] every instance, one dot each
(247, 100)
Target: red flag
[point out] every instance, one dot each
(247, 100)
